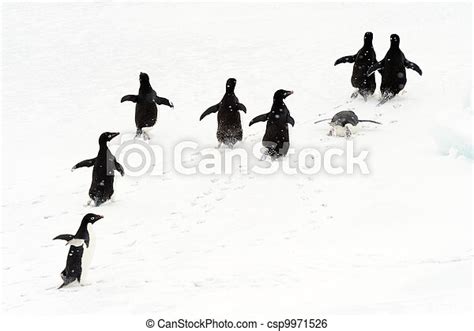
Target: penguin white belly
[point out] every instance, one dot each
(341, 131)
(88, 254)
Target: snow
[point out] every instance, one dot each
(395, 241)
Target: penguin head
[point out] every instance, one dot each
(368, 37)
(144, 78)
(107, 136)
(91, 218)
(394, 40)
(230, 84)
(281, 94)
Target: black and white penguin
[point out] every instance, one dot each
(344, 123)
(277, 138)
(229, 126)
(362, 60)
(393, 70)
(146, 111)
(81, 249)
(102, 186)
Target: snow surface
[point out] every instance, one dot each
(395, 241)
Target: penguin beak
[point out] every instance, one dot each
(113, 135)
(288, 93)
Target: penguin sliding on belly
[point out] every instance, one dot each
(344, 123)
(146, 111)
(229, 126)
(362, 60)
(277, 137)
(393, 71)
(102, 186)
(81, 249)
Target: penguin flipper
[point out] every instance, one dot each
(163, 101)
(259, 118)
(210, 110)
(291, 120)
(85, 163)
(240, 106)
(119, 167)
(129, 97)
(374, 67)
(370, 121)
(323, 120)
(345, 59)
(413, 66)
(67, 237)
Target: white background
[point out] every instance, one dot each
(242, 246)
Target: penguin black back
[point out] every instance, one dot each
(393, 70)
(229, 126)
(362, 60)
(104, 165)
(276, 139)
(146, 111)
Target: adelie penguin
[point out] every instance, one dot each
(102, 186)
(344, 123)
(277, 137)
(146, 111)
(81, 249)
(393, 70)
(362, 60)
(229, 126)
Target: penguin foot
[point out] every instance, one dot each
(348, 132)
(385, 98)
(139, 133)
(354, 94)
(145, 135)
(265, 153)
(332, 132)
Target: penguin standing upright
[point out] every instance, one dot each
(102, 186)
(393, 66)
(146, 111)
(229, 127)
(81, 249)
(362, 60)
(277, 138)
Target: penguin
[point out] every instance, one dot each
(344, 123)
(393, 72)
(362, 60)
(229, 126)
(276, 139)
(102, 186)
(146, 111)
(81, 249)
